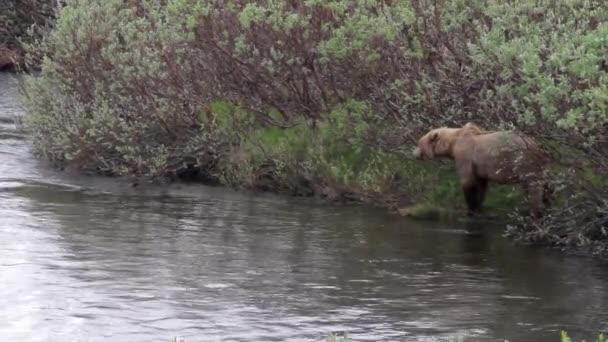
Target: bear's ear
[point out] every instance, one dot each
(472, 127)
(434, 136)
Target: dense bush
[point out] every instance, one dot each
(327, 96)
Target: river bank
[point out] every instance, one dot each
(329, 98)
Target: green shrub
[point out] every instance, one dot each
(111, 98)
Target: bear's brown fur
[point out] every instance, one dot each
(481, 156)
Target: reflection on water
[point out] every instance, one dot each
(87, 258)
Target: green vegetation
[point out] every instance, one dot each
(566, 338)
(328, 98)
(333, 337)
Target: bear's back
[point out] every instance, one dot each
(502, 156)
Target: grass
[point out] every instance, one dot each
(427, 212)
(335, 160)
(565, 338)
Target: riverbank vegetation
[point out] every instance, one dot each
(23, 22)
(565, 338)
(328, 98)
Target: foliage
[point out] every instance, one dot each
(24, 22)
(337, 337)
(328, 97)
(565, 338)
(112, 99)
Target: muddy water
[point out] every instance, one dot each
(93, 259)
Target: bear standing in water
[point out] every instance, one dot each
(502, 157)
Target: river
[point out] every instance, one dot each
(85, 258)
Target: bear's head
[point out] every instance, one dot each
(438, 142)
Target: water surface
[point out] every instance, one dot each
(94, 259)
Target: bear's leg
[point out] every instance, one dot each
(481, 193)
(471, 190)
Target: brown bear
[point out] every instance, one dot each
(500, 156)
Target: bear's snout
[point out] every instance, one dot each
(417, 153)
